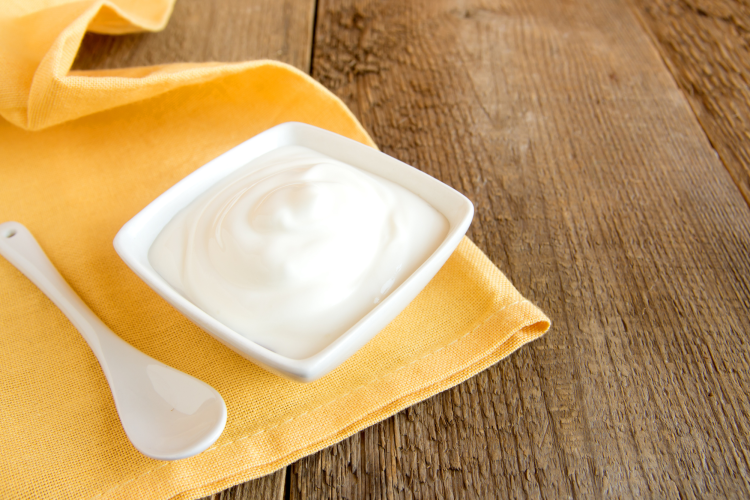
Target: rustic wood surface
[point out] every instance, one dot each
(198, 31)
(706, 45)
(583, 132)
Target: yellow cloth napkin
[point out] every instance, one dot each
(80, 154)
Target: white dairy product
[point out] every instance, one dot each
(294, 248)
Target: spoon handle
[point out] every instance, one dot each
(166, 414)
(18, 245)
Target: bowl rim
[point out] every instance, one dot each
(136, 236)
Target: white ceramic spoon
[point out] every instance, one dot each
(167, 414)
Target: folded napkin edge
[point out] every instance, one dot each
(528, 323)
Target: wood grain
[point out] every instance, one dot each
(600, 196)
(224, 31)
(706, 45)
(269, 487)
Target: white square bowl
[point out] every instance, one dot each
(135, 238)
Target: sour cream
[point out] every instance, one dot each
(293, 249)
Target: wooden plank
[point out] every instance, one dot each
(599, 195)
(225, 31)
(270, 487)
(705, 46)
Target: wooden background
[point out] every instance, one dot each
(606, 146)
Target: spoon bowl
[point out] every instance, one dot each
(166, 414)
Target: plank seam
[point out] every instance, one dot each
(656, 45)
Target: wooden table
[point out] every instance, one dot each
(606, 146)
